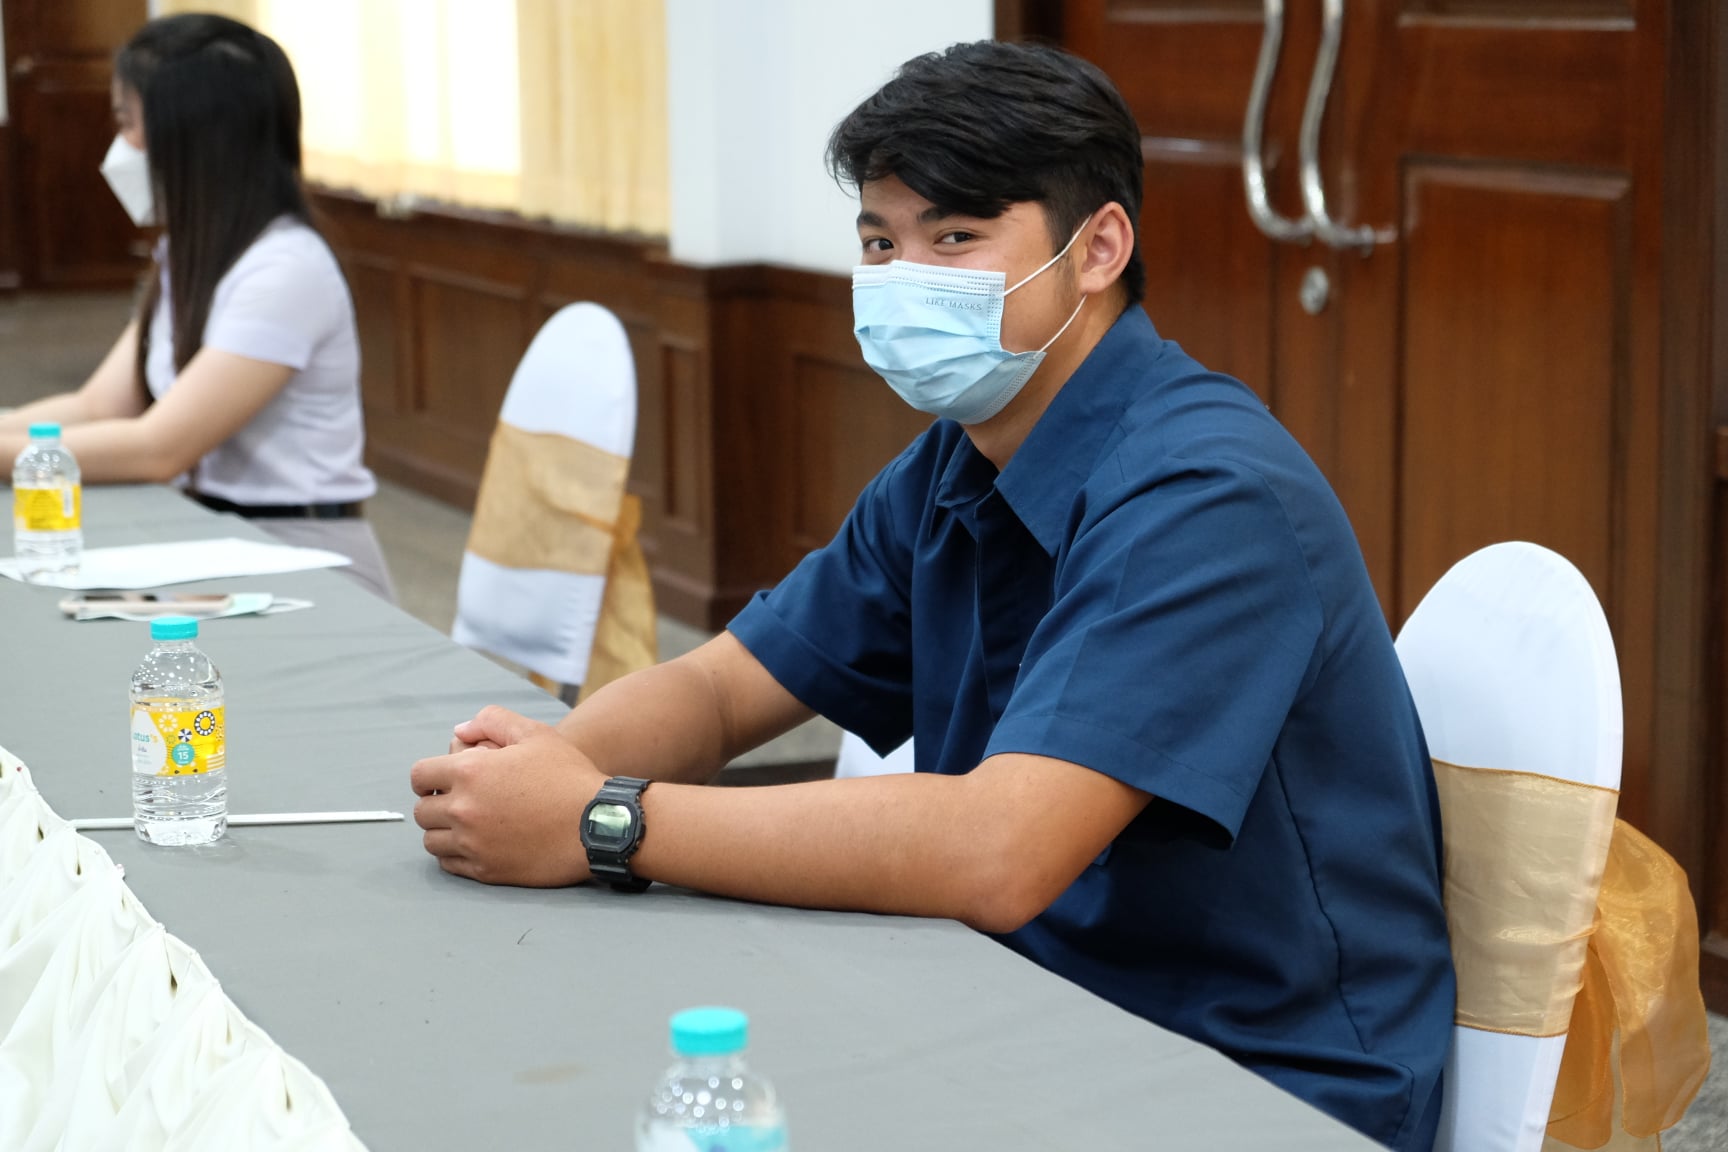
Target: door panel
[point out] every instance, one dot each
(1185, 68)
(1511, 368)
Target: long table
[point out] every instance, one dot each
(448, 1015)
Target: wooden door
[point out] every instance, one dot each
(71, 232)
(1523, 354)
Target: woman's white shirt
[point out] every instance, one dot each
(283, 302)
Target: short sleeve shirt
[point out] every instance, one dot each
(283, 302)
(1160, 586)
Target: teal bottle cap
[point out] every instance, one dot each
(44, 431)
(174, 628)
(709, 1031)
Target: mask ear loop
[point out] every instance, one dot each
(1065, 324)
(1072, 315)
(1054, 258)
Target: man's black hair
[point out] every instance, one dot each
(988, 124)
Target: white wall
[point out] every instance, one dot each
(755, 87)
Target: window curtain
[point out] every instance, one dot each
(593, 83)
(547, 108)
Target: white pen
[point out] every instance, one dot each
(111, 823)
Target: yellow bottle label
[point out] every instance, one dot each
(57, 509)
(169, 739)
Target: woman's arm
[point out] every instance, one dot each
(214, 397)
(111, 393)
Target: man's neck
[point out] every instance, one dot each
(999, 437)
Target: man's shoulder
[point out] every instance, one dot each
(1181, 412)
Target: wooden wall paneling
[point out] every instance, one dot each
(373, 283)
(674, 446)
(841, 423)
(11, 259)
(73, 232)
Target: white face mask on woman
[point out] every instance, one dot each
(127, 170)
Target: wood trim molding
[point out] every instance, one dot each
(1722, 453)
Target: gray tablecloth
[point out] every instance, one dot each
(447, 1015)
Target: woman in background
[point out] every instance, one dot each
(239, 375)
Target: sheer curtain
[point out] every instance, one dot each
(593, 83)
(549, 108)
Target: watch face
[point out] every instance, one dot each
(607, 827)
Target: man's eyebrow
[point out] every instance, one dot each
(935, 214)
(931, 215)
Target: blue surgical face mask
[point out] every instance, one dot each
(935, 334)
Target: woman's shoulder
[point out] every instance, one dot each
(288, 239)
(288, 254)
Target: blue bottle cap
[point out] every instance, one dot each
(709, 1031)
(44, 431)
(174, 628)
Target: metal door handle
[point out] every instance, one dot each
(1270, 223)
(1330, 231)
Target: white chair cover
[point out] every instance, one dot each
(578, 380)
(113, 1034)
(1512, 667)
(859, 759)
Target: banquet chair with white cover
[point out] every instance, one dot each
(1512, 667)
(552, 522)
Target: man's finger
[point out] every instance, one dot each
(433, 812)
(460, 866)
(441, 842)
(434, 774)
(499, 726)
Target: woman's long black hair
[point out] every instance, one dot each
(222, 131)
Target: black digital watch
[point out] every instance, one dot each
(612, 831)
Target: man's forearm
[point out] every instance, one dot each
(684, 720)
(915, 845)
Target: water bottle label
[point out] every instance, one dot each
(56, 509)
(736, 1138)
(170, 741)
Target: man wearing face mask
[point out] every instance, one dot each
(1164, 746)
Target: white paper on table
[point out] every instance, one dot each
(153, 565)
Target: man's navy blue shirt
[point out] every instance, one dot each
(1161, 586)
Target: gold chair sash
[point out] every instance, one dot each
(1638, 1049)
(1524, 857)
(625, 639)
(547, 501)
(550, 502)
(1537, 955)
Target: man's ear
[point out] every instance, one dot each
(1106, 245)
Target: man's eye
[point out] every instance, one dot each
(876, 244)
(957, 238)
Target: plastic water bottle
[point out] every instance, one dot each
(179, 740)
(709, 1101)
(47, 506)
